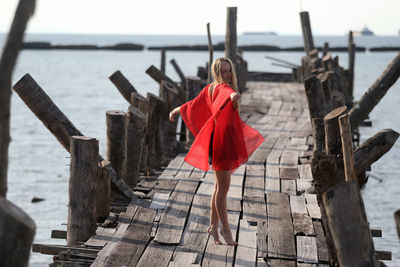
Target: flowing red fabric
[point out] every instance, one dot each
(234, 140)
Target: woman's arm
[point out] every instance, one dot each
(173, 114)
(235, 96)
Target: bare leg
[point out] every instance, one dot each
(223, 181)
(213, 228)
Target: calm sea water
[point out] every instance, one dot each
(77, 81)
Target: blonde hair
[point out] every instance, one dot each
(216, 74)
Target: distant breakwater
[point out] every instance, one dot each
(217, 47)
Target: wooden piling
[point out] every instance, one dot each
(347, 147)
(352, 57)
(162, 65)
(170, 96)
(350, 232)
(115, 136)
(325, 49)
(154, 132)
(123, 85)
(193, 86)
(158, 76)
(231, 36)
(397, 221)
(103, 191)
(307, 33)
(333, 144)
(180, 73)
(315, 97)
(210, 52)
(17, 230)
(82, 189)
(319, 134)
(134, 132)
(375, 93)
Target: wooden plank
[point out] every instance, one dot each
(217, 255)
(272, 181)
(185, 171)
(314, 211)
(296, 141)
(311, 198)
(246, 251)
(56, 249)
(195, 236)
(173, 167)
(275, 108)
(102, 236)
(280, 227)
(289, 159)
(307, 249)
(236, 188)
(288, 186)
(302, 186)
(170, 227)
(254, 183)
(254, 209)
(280, 263)
(262, 233)
(159, 201)
(134, 240)
(124, 220)
(302, 224)
(206, 187)
(305, 171)
(322, 248)
(156, 255)
(288, 173)
(184, 259)
(298, 204)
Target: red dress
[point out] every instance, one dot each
(234, 140)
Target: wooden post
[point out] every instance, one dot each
(56, 122)
(349, 226)
(375, 93)
(327, 86)
(352, 57)
(115, 136)
(16, 234)
(210, 51)
(325, 49)
(315, 97)
(373, 149)
(230, 36)
(103, 191)
(162, 65)
(180, 73)
(193, 86)
(123, 85)
(319, 134)
(307, 33)
(347, 147)
(82, 189)
(170, 96)
(12, 46)
(134, 132)
(158, 76)
(397, 221)
(333, 144)
(157, 113)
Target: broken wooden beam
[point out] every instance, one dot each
(56, 122)
(122, 84)
(307, 33)
(158, 76)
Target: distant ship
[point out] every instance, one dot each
(259, 33)
(364, 32)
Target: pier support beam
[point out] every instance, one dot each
(82, 189)
(307, 33)
(123, 85)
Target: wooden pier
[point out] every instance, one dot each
(272, 206)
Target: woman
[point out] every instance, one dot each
(221, 137)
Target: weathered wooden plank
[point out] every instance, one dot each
(298, 204)
(288, 173)
(275, 108)
(254, 209)
(184, 259)
(288, 186)
(303, 185)
(217, 255)
(206, 187)
(289, 159)
(246, 251)
(156, 255)
(314, 211)
(236, 188)
(297, 141)
(307, 249)
(280, 227)
(254, 183)
(102, 236)
(185, 171)
(302, 224)
(311, 198)
(124, 220)
(170, 227)
(132, 244)
(322, 248)
(280, 263)
(159, 201)
(195, 236)
(173, 167)
(272, 181)
(262, 233)
(305, 171)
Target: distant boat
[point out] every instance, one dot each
(364, 32)
(260, 33)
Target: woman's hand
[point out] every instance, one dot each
(235, 96)
(173, 113)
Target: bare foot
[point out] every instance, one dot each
(228, 237)
(214, 233)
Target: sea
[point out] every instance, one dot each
(77, 82)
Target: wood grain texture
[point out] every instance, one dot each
(246, 250)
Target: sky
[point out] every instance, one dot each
(328, 17)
